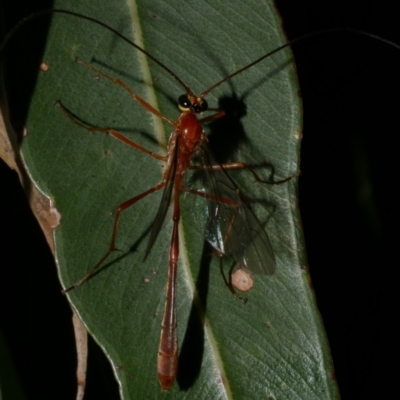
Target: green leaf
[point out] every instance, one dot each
(275, 345)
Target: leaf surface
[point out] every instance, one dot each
(272, 347)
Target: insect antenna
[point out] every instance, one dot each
(35, 15)
(294, 41)
(190, 94)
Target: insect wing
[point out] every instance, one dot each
(231, 226)
(165, 201)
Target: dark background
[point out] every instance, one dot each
(348, 196)
(348, 202)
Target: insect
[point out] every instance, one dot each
(232, 228)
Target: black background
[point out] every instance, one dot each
(348, 202)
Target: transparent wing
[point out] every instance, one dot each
(231, 226)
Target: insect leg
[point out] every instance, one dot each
(218, 114)
(141, 101)
(228, 282)
(112, 248)
(241, 165)
(110, 132)
(167, 361)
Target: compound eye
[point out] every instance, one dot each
(183, 102)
